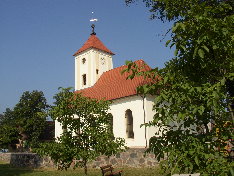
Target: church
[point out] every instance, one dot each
(96, 78)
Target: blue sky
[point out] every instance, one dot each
(39, 37)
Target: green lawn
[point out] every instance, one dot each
(7, 170)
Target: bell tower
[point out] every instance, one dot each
(91, 60)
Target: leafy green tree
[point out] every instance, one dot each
(86, 131)
(1, 117)
(30, 116)
(194, 91)
(8, 132)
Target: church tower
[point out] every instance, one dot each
(91, 60)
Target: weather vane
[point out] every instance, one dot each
(93, 25)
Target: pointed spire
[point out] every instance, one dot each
(94, 42)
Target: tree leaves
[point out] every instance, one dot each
(87, 130)
(194, 97)
(201, 53)
(176, 52)
(167, 43)
(27, 118)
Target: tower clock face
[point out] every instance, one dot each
(103, 61)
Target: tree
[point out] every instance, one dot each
(8, 131)
(30, 116)
(195, 96)
(1, 117)
(86, 130)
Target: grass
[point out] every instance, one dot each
(7, 170)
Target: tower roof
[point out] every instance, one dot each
(113, 85)
(94, 42)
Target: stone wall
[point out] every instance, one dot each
(6, 157)
(30, 160)
(133, 157)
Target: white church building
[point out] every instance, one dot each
(95, 77)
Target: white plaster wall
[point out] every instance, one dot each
(149, 102)
(76, 74)
(90, 66)
(81, 69)
(92, 70)
(118, 109)
(135, 104)
(108, 65)
(58, 129)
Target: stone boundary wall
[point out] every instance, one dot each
(31, 160)
(133, 157)
(6, 157)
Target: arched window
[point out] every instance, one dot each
(84, 79)
(129, 124)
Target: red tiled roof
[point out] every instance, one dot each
(94, 42)
(113, 85)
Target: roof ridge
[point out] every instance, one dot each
(113, 85)
(126, 65)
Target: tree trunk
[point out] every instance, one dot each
(85, 167)
(231, 109)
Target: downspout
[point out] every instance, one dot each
(143, 106)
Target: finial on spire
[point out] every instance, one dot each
(93, 25)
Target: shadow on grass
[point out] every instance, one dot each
(8, 170)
